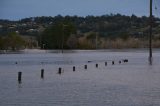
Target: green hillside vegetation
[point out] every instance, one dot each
(74, 32)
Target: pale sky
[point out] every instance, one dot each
(18, 9)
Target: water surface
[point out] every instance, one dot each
(135, 83)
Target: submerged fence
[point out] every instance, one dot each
(61, 70)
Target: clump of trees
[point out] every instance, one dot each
(58, 35)
(12, 41)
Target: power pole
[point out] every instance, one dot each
(150, 33)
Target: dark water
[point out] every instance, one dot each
(135, 83)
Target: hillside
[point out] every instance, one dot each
(105, 27)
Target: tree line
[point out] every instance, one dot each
(82, 32)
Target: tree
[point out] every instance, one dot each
(54, 36)
(14, 41)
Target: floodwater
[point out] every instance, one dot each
(135, 83)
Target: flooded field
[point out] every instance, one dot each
(135, 83)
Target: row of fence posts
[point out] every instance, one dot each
(60, 70)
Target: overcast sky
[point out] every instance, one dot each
(17, 9)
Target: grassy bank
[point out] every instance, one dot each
(117, 43)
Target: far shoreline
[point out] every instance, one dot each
(28, 51)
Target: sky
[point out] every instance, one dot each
(18, 9)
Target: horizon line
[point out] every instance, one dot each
(74, 15)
